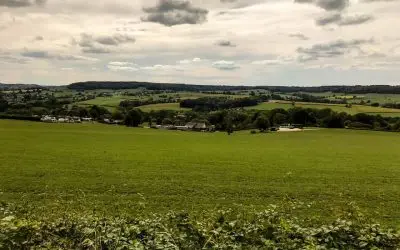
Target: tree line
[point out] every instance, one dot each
(231, 120)
(357, 89)
(216, 103)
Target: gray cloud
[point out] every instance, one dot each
(299, 36)
(343, 20)
(175, 12)
(225, 65)
(332, 49)
(328, 5)
(354, 20)
(96, 50)
(21, 3)
(40, 54)
(115, 40)
(226, 43)
(8, 58)
(328, 19)
(98, 44)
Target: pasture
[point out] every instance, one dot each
(112, 169)
(356, 98)
(355, 109)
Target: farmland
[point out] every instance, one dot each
(111, 169)
(112, 102)
(354, 109)
(356, 98)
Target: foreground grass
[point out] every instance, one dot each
(355, 109)
(81, 167)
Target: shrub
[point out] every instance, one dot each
(223, 229)
(360, 125)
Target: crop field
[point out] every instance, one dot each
(115, 169)
(335, 107)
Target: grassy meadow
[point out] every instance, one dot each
(356, 98)
(112, 169)
(355, 109)
(112, 102)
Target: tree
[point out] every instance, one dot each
(375, 104)
(96, 112)
(279, 119)
(262, 123)
(3, 105)
(133, 118)
(166, 121)
(117, 115)
(228, 121)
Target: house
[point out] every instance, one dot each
(86, 119)
(47, 118)
(76, 119)
(199, 126)
(182, 128)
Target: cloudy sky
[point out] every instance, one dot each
(246, 42)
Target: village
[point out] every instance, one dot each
(65, 119)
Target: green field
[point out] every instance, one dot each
(356, 98)
(113, 169)
(110, 102)
(355, 109)
(113, 101)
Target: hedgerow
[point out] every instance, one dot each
(222, 229)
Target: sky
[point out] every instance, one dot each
(234, 42)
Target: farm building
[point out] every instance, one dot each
(191, 126)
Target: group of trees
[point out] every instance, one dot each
(303, 97)
(217, 103)
(391, 105)
(239, 119)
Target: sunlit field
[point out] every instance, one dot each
(113, 169)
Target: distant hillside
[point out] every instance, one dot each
(358, 89)
(19, 86)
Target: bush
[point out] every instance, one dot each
(360, 125)
(375, 104)
(223, 229)
(133, 118)
(253, 132)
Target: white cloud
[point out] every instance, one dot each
(161, 67)
(188, 61)
(107, 40)
(121, 64)
(225, 65)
